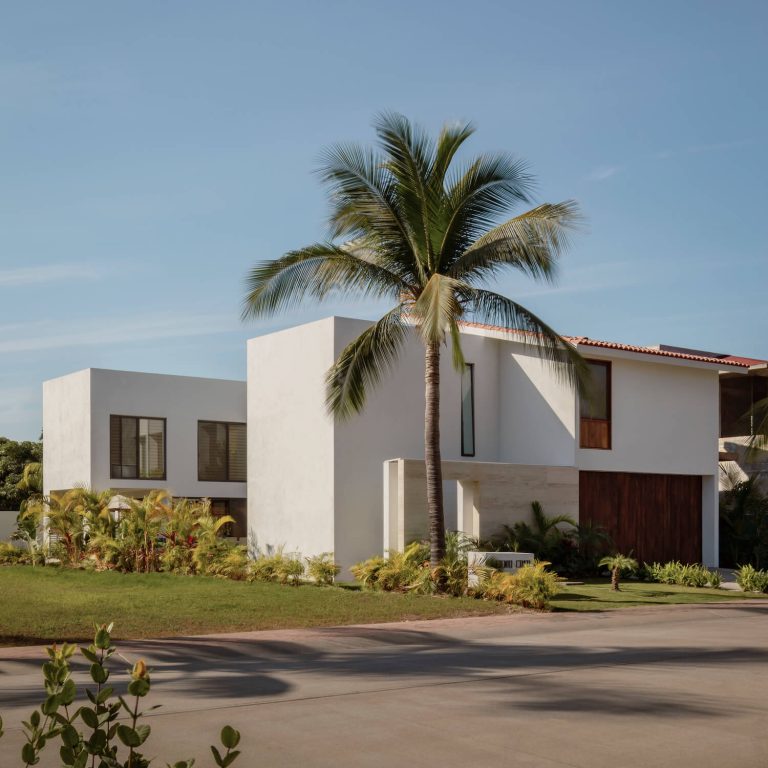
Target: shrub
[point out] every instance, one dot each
(230, 562)
(322, 568)
(277, 567)
(684, 575)
(10, 555)
(110, 729)
(752, 580)
(400, 572)
(532, 586)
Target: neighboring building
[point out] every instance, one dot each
(134, 432)
(639, 458)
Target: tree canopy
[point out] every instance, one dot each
(14, 456)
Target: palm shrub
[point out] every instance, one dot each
(277, 567)
(743, 520)
(209, 546)
(684, 575)
(618, 564)
(398, 572)
(531, 586)
(229, 562)
(322, 569)
(548, 538)
(108, 730)
(411, 225)
(750, 579)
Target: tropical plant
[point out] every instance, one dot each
(14, 457)
(532, 586)
(618, 564)
(107, 731)
(684, 575)
(409, 224)
(544, 537)
(743, 519)
(322, 569)
(210, 547)
(750, 579)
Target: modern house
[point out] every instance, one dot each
(134, 432)
(638, 457)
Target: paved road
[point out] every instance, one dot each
(672, 686)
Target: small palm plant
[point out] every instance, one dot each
(618, 564)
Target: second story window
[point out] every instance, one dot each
(136, 448)
(221, 451)
(468, 410)
(595, 408)
(738, 395)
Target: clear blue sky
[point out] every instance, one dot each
(152, 151)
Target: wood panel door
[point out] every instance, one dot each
(657, 517)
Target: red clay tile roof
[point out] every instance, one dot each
(740, 362)
(583, 340)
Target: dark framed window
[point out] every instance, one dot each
(468, 410)
(137, 447)
(595, 408)
(738, 395)
(221, 451)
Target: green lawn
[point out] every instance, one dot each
(39, 605)
(596, 595)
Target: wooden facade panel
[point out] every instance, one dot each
(656, 517)
(595, 433)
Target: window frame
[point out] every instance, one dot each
(608, 365)
(464, 452)
(139, 476)
(227, 424)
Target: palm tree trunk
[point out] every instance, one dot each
(615, 580)
(432, 460)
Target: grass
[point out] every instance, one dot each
(41, 605)
(596, 595)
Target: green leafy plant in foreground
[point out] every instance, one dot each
(107, 731)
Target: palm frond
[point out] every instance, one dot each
(477, 197)
(493, 309)
(315, 271)
(410, 154)
(531, 242)
(437, 308)
(363, 362)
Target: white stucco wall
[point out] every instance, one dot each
(664, 419)
(67, 431)
(290, 440)
(78, 408)
(536, 410)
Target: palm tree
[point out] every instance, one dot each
(542, 538)
(409, 224)
(617, 564)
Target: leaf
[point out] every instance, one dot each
(98, 673)
(69, 736)
(230, 738)
(90, 655)
(29, 755)
(50, 705)
(217, 756)
(143, 731)
(89, 717)
(102, 640)
(230, 758)
(128, 736)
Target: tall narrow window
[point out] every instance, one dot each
(137, 448)
(468, 410)
(221, 451)
(595, 408)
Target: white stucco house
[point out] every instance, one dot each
(134, 432)
(640, 458)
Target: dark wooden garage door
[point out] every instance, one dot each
(657, 517)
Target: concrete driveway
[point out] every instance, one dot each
(670, 686)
